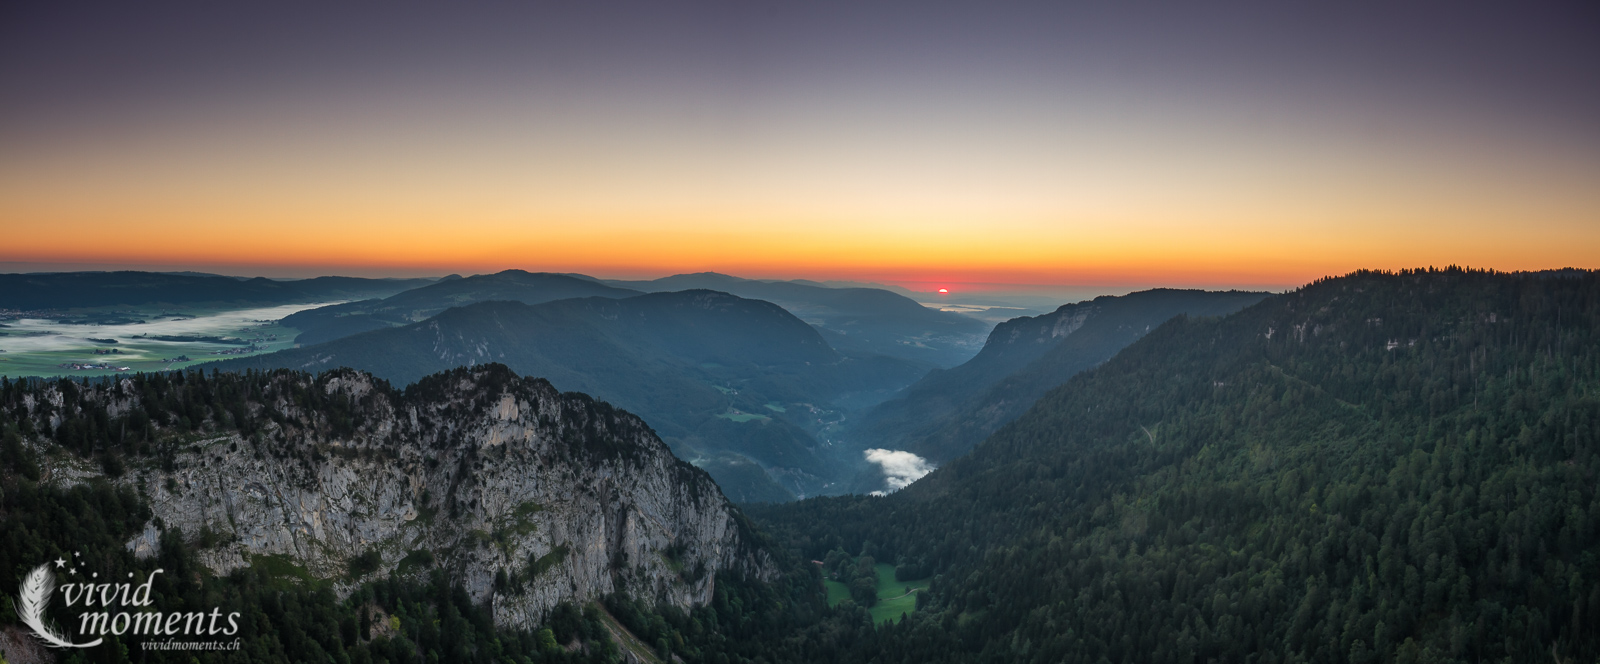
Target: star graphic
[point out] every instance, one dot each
(76, 554)
(60, 563)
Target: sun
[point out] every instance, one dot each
(944, 291)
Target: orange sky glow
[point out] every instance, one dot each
(1154, 158)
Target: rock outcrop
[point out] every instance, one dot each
(526, 496)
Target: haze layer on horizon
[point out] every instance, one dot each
(1031, 143)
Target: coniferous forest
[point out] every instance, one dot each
(1374, 468)
(1381, 467)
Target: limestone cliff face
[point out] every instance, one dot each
(1039, 332)
(526, 496)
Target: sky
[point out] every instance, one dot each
(927, 144)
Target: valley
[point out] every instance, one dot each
(111, 341)
(1393, 454)
(883, 332)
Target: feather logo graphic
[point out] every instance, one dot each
(33, 600)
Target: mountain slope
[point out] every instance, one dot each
(527, 497)
(1380, 467)
(66, 290)
(865, 320)
(342, 320)
(947, 412)
(715, 374)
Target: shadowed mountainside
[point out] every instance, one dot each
(947, 412)
(869, 320)
(721, 378)
(342, 320)
(1379, 468)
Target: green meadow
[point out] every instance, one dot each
(894, 597)
(35, 347)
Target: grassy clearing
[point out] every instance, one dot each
(837, 592)
(894, 597)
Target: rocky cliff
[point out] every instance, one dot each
(527, 496)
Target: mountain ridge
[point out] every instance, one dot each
(853, 318)
(947, 412)
(715, 374)
(1375, 467)
(550, 497)
(342, 320)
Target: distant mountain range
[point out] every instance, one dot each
(342, 320)
(727, 381)
(872, 320)
(764, 383)
(73, 290)
(852, 319)
(949, 411)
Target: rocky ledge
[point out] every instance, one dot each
(526, 496)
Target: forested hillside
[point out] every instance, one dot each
(947, 412)
(1373, 468)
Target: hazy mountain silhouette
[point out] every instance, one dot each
(67, 290)
(719, 377)
(342, 320)
(871, 320)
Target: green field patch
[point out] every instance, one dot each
(146, 340)
(837, 592)
(723, 390)
(894, 597)
(775, 407)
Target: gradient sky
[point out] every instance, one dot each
(1036, 143)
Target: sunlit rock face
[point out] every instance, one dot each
(526, 496)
